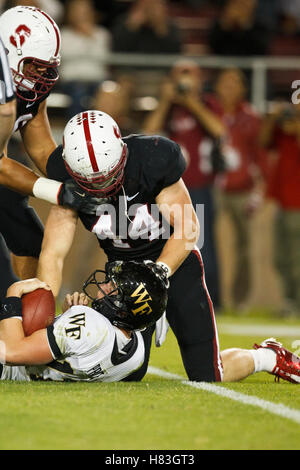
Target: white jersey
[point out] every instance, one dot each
(85, 347)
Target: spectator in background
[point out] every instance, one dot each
(146, 29)
(290, 16)
(191, 119)
(281, 132)
(241, 186)
(114, 98)
(85, 48)
(53, 7)
(238, 32)
(267, 13)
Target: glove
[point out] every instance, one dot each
(161, 330)
(72, 195)
(161, 270)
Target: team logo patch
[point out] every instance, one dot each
(21, 33)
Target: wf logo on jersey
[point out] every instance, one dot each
(78, 321)
(20, 35)
(143, 298)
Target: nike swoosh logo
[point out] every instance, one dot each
(29, 104)
(80, 194)
(129, 198)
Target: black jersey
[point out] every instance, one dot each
(130, 226)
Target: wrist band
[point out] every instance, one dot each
(166, 268)
(11, 307)
(46, 189)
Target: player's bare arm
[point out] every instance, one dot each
(37, 138)
(15, 348)
(16, 176)
(59, 233)
(175, 205)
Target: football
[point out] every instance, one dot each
(38, 310)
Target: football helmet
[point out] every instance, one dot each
(94, 153)
(138, 299)
(32, 41)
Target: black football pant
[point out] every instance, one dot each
(191, 316)
(20, 226)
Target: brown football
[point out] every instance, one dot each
(38, 310)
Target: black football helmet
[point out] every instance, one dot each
(139, 297)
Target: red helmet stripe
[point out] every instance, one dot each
(87, 134)
(55, 29)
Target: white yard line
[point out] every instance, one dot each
(259, 330)
(274, 408)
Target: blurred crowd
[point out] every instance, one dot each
(238, 159)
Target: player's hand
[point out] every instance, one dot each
(20, 288)
(159, 271)
(72, 195)
(74, 299)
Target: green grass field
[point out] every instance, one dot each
(161, 413)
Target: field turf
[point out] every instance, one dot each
(163, 412)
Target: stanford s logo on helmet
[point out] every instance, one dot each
(94, 153)
(19, 36)
(138, 299)
(32, 40)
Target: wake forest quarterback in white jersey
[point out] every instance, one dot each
(85, 347)
(91, 344)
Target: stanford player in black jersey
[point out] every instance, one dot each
(145, 213)
(131, 177)
(32, 43)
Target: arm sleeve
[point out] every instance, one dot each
(7, 89)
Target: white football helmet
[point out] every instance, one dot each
(32, 40)
(94, 152)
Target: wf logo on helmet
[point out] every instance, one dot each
(142, 298)
(20, 35)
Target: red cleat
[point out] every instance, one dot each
(287, 364)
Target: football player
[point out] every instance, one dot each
(103, 343)
(98, 343)
(32, 42)
(141, 218)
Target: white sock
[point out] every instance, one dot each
(264, 359)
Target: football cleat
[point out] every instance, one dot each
(287, 363)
